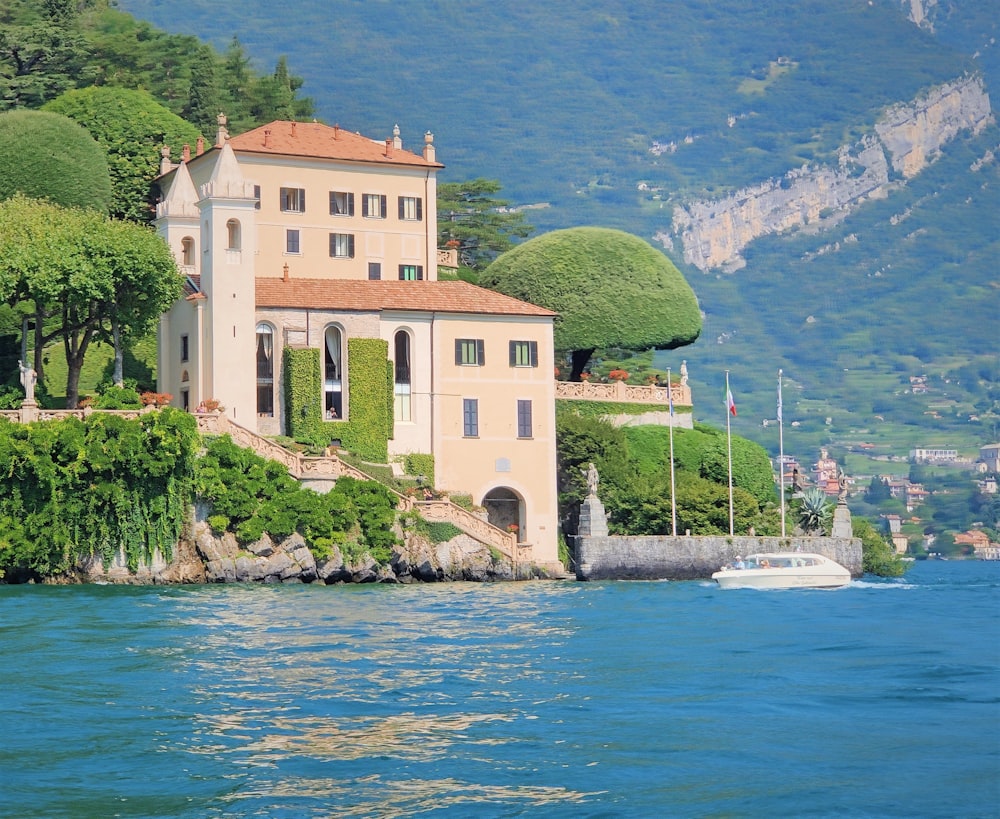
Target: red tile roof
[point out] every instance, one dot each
(313, 139)
(369, 296)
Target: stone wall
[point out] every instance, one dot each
(694, 558)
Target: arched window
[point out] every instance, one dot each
(187, 251)
(233, 234)
(333, 373)
(265, 369)
(401, 377)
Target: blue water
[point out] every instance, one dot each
(556, 699)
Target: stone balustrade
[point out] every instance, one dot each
(447, 257)
(621, 392)
(471, 524)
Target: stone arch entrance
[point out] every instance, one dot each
(504, 507)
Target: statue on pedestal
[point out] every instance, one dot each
(592, 479)
(28, 379)
(684, 373)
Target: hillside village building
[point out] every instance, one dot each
(306, 237)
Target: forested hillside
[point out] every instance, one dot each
(613, 112)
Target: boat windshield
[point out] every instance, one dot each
(779, 561)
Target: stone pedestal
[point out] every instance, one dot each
(593, 519)
(841, 521)
(29, 411)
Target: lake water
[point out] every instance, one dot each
(555, 699)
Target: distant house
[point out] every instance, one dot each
(933, 455)
(990, 455)
(981, 545)
(302, 242)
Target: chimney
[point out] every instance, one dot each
(429, 152)
(200, 146)
(186, 153)
(388, 149)
(267, 137)
(336, 132)
(165, 164)
(284, 278)
(293, 128)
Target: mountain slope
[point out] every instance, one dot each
(614, 112)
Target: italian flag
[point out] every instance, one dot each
(730, 403)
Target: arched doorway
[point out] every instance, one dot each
(505, 508)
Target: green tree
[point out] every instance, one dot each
(483, 225)
(131, 127)
(95, 277)
(877, 555)
(611, 289)
(45, 155)
(42, 53)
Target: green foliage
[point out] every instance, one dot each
(253, 495)
(877, 555)
(420, 463)
(369, 403)
(47, 156)
(114, 398)
(89, 274)
(131, 126)
(751, 466)
(610, 289)
(72, 488)
(483, 226)
(814, 511)
(303, 383)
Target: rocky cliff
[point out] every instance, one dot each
(907, 138)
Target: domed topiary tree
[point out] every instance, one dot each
(48, 156)
(132, 127)
(610, 288)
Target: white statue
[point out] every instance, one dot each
(28, 379)
(684, 373)
(592, 479)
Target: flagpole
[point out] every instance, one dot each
(673, 487)
(729, 449)
(781, 455)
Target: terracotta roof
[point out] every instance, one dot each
(313, 139)
(368, 296)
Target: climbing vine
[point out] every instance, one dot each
(75, 488)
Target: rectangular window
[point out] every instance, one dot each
(256, 195)
(184, 348)
(293, 200)
(341, 203)
(186, 400)
(524, 354)
(291, 241)
(374, 271)
(411, 208)
(342, 245)
(470, 352)
(470, 417)
(523, 419)
(373, 206)
(411, 272)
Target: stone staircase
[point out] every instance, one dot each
(327, 468)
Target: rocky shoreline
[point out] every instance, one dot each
(206, 557)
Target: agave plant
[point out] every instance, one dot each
(816, 510)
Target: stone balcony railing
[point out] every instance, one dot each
(447, 257)
(621, 392)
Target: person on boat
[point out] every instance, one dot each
(739, 563)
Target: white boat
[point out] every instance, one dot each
(783, 570)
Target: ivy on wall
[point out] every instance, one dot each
(420, 463)
(368, 427)
(73, 488)
(303, 385)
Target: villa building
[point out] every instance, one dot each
(312, 291)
